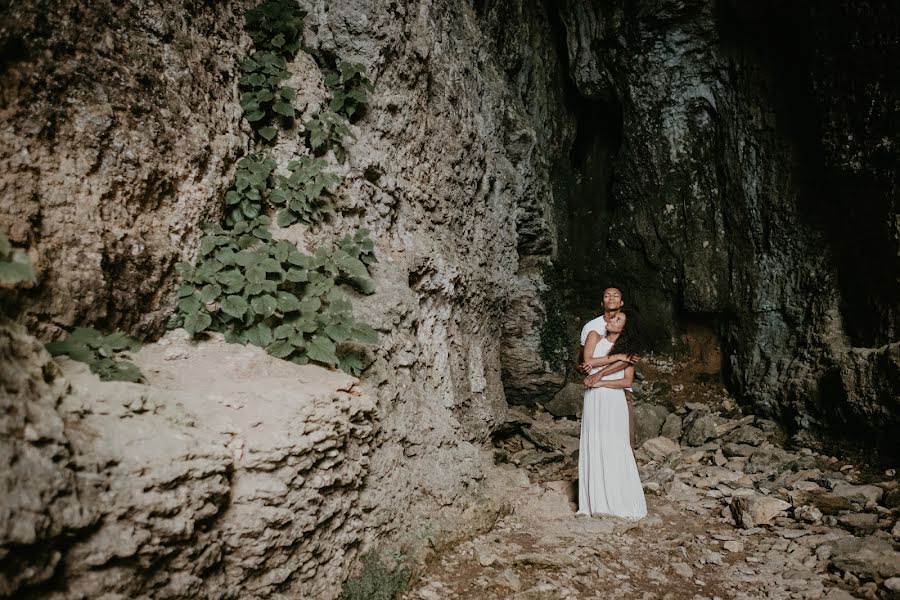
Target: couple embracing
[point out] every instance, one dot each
(608, 479)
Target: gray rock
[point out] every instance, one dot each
(732, 449)
(754, 510)
(672, 427)
(697, 431)
(659, 447)
(859, 523)
(746, 434)
(568, 402)
(867, 556)
(858, 494)
(769, 460)
(648, 421)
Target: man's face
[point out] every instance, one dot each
(612, 299)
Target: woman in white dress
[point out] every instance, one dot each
(608, 479)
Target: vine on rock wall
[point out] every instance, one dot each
(263, 291)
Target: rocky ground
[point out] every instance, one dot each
(733, 513)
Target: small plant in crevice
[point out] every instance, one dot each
(554, 335)
(377, 581)
(104, 354)
(304, 194)
(360, 247)
(268, 293)
(327, 131)
(251, 182)
(15, 268)
(275, 26)
(350, 89)
(263, 99)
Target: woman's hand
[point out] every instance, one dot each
(593, 381)
(584, 367)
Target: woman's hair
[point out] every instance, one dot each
(633, 339)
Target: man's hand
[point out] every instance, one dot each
(629, 358)
(591, 380)
(584, 367)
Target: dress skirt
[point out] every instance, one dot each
(608, 479)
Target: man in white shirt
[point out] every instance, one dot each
(612, 303)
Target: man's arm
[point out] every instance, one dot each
(623, 362)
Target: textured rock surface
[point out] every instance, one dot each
(41, 501)
(118, 129)
(757, 192)
(450, 170)
(230, 473)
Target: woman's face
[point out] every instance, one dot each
(616, 324)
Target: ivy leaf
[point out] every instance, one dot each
(260, 335)
(321, 349)
(364, 333)
(350, 363)
(288, 302)
(189, 305)
(280, 349)
(264, 305)
(283, 331)
(121, 371)
(196, 322)
(338, 332)
(234, 306)
(284, 109)
(210, 292)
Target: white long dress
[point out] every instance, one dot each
(608, 479)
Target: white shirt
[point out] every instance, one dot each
(598, 325)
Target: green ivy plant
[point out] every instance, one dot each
(326, 131)
(360, 247)
(350, 89)
(15, 267)
(268, 293)
(275, 26)
(263, 98)
(102, 353)
(304, 194)
(554, 334)
(245, 200)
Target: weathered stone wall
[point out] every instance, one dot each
(449, 169)
(752, 189)
(118, 130)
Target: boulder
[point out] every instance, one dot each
(859, 522)
(659, 447)
(732, 449)
(753, 510)
(826, 502)
(766, 460)
(866, 556)
(672, 427)
(858, 494)
(568, 402)
(747, 434)
(701, 429)
(648, 421)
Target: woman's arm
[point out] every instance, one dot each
(590, 344)
(623, 383)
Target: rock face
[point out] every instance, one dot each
(230, 473)
(118, 130)
(121, 127)
(739, 186)
(40, 498)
